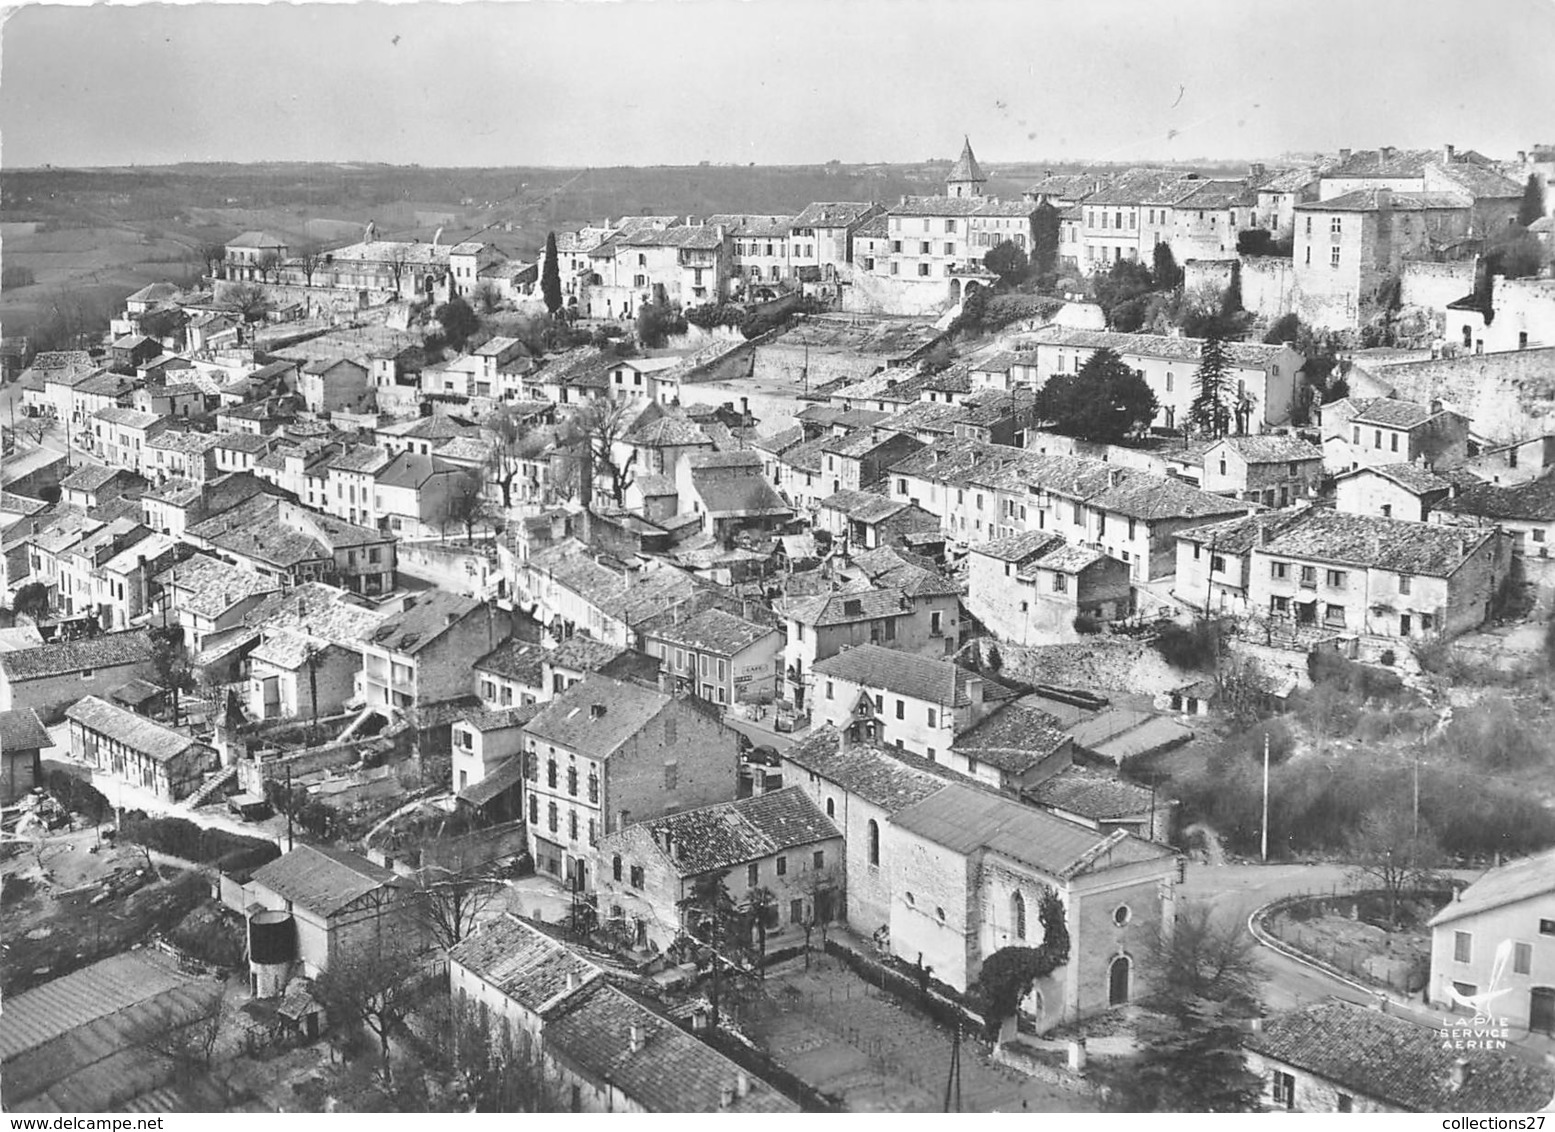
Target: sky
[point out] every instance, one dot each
(644, 82)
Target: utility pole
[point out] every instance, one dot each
(1265, 847)
(953, 1081)
(290, 806)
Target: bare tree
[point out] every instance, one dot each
(375, 988)
(1202, 959)
(1394, 849)
(189, 1044)
(513, 444)
(212, 255)
(251, 300)
(309, 263)
(396, 260)
(463, 504)
(449, 902)
(268, 262)
(603, 425)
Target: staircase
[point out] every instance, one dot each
(211, 785)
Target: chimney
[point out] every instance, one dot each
(844, 739)
(596, 711)
(634, 1038)
(1460, 1073)
(1114, 476)
(1436, 405)
(742, 1084)
(1522, 157)
(449, 619)
(572, 980)
(1255, 169)
(726, 1096)
(1344, 155)
(1384, 199)
(1387, 152)
(1449, 154)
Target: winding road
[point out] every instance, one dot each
(1234, 892)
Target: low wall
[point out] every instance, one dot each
(1023, 1059)
(479, 847)
(468, 571)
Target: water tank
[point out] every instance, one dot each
(272, 937)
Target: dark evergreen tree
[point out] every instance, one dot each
(1045, 231)
(1531, 207)
(550, 277)
(1106, 401)
(1008, 262)
(1210, 412)
(1191, 1061)
(1164, 270)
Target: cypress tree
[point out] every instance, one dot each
(1532, 206)
(550, 277)
(1209, 412)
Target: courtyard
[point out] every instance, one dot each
(875, 1053)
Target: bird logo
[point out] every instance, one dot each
(1480, 1003)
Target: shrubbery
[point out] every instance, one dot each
(710, 315)
(78, 795)
(1190, 646)
(179, 837)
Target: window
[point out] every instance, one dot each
(671, 774)
(1309, 575)
(1547, 927)
(593, 786)
(1279, 569)
(1285, 1090)
(1333, 256)
(551, 817)
(88, 673)
(820, 859)
(830, 693)
(637, 876)
(1462, 947)
(1522, 958)
(923, 269)
(1405, 583)
(1122, 914)
(753, 874)
(1538, 534)
(1393, 441)
(1335, 579)
(572, 825)
(1018, 915)
(874, 843)
(572, 781)
(931, 718)
(937, 618)
(1217, 564)
(1355, 434)
(534, 810)
(782, 864)
(1333, 614)
(1060, 583)
(923, 247)
(950, 226)
(550, 773)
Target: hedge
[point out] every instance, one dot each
(179, 837)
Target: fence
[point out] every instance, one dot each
(1403, 973)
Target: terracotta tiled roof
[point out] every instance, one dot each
(720, 837)
(1373, 1054)
(1510, 883)
(1430, 549)
(900, 673)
